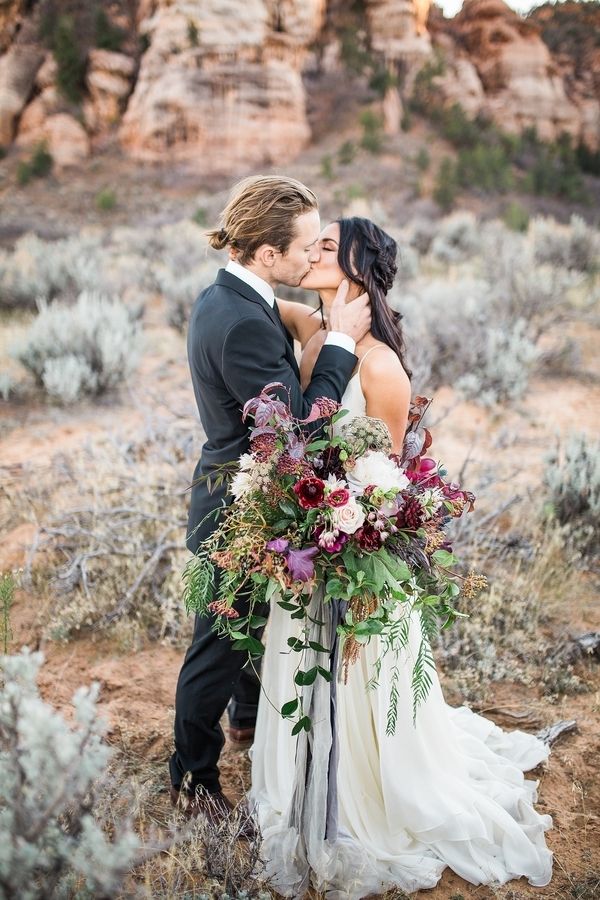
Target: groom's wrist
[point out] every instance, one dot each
(338, 339)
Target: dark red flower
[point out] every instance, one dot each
(310, 492)
(368, 537)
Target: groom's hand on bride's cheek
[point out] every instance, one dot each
(353, 318)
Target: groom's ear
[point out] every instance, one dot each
(267, 255)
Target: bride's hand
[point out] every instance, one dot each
(352, 318)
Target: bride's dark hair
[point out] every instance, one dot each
(367, 256)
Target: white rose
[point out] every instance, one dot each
(348, 518)
(375, 468)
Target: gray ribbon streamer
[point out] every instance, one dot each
(314, 806)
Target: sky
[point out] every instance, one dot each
(451, 7)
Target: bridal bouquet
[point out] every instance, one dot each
(343, 513)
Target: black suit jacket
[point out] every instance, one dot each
(236, 345)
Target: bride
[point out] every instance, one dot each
(446, 791)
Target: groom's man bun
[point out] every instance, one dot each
(262, 209)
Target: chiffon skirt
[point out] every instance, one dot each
(448, 790)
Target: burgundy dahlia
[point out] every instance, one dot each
(368, 537)
(310, 492)
(411, 514)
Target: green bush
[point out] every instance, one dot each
(38, 166)
(106, 200)
(484, 167)
(446, 185)
(572, 481)
(70, 59)
(382, 79)
(372, 125)
(200, 217)
(327, 167)
(193, 33)
(423, 91)
(406, 120)
(423, 159)
(108, 36)
(347, 153)
(516, 217)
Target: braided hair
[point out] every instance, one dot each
(367, 257)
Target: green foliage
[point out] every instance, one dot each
(372, 125)
(423, 90)
(106, 199)
(589, 160)
(7, 596)
(347, 153)
(423, 159)
(144, 42)
(200, 217)
(38, 166)
(193, 33)
(3, 152)
(382, 80)
(406, 121)
(70, 59)
(446, 185)
(354, 52)
(516, 217)
(327, 167)
(108, 36)
(484, 167)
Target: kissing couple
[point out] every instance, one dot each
(449, 791)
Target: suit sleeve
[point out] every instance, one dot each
(254, 355)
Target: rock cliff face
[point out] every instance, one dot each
(222, 82)
(219, 83)
(501, 65)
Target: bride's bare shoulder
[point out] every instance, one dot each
(380, 364)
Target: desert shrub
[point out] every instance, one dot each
(516, 217)
(457, 237)
(327, 167)
(84, 349)
(528, 575)
(111, 554)
(421, 234)
(446, 185)
(347, 153)
(200, 217)
(423, 159)
(485, 167)
(572, 481)
(6, 385)
(51, 844)
(372, 126)
(39, 165)
(502, 364)
(108, 35)
(408, 262)
(574, 246)
(106, 199)
(71, 59)
(181, 289)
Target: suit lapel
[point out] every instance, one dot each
(226, 279)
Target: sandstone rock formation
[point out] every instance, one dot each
(18, 68)
(223, 84)
(221, 90)
(499, 65)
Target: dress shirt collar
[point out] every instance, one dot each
(258, 284)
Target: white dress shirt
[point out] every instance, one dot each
(336, 338)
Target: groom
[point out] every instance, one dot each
(237, 344)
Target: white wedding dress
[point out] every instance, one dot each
(448, 791)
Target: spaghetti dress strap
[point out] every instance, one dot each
(362, 359)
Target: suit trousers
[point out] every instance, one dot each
(212, 675)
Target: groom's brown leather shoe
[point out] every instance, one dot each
(240, 738)
(216, 808)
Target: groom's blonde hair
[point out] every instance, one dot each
(261, 210)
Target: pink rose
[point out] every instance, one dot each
(348, 518)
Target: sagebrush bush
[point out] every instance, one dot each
(572, 481)
(110, 555)
(51, 845)
(502, 365)
(82, 349)
(574, 246)
(457, 237)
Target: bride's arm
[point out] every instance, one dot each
(386, 387)
(300, 320)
